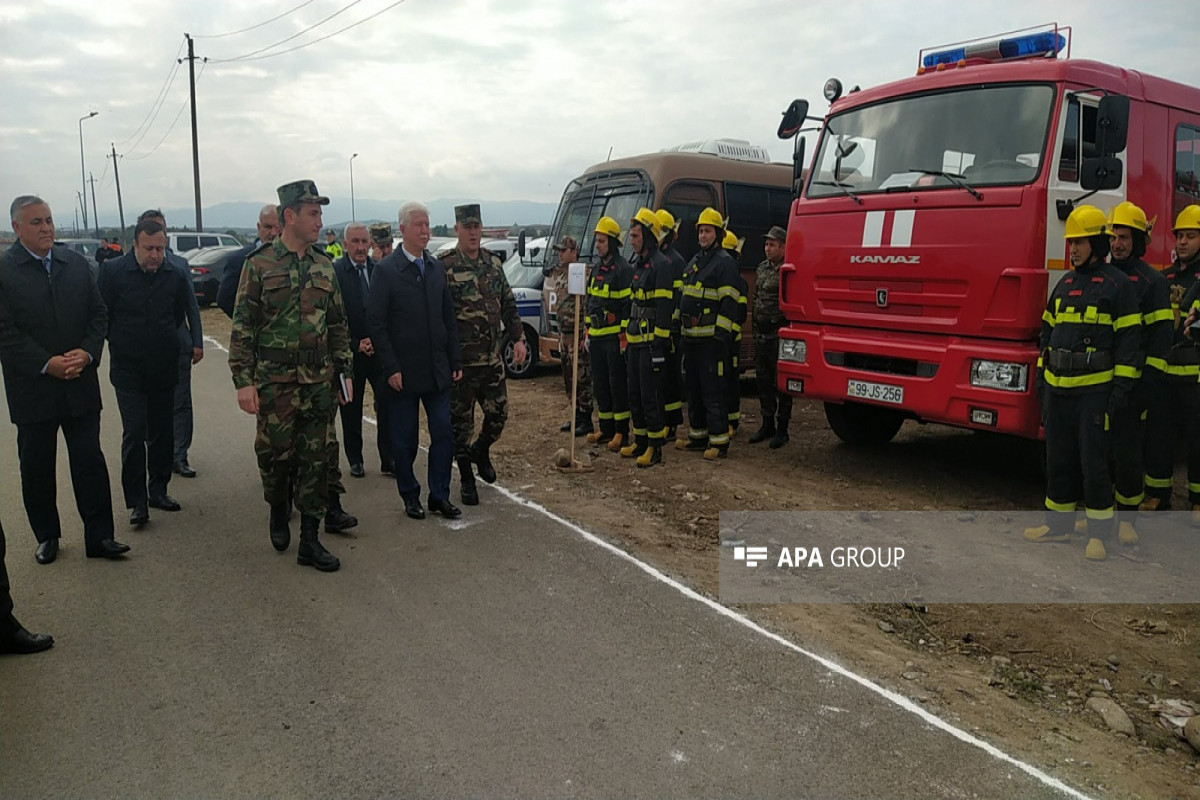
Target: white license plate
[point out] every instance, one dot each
(879, 392)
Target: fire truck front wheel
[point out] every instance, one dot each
(862, 425)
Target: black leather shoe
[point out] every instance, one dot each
(414, 509)
(445, 508)
(139, 515)
(46, 552)
(480, 454)
(183, 469)
(781, 438)
(357, 471)
(22, 642)
(385, 468)
(763, 433)
(337, 520)
(165, 502)
(584, 428)
(108, 548)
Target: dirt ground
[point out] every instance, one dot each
(1015, 675)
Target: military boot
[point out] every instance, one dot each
(281, 533)
(310, 553)
(337, 519)
(636, 447)
(467, 490)
(781, 434)
(651, 456)
(583, 424)
(765, 432)
(483, 459)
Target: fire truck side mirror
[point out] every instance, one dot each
(1112, 124)
(798, 167)
(521, 243)
(793, 119)
(1100, 174)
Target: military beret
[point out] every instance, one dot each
(300, 192)
(467, 214)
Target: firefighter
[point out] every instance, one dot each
(733, 386)
(607, 313)
(1086, 371)
(1128, 235)
(1174, 399)
(671, 376)
(708, 305)
(648, 338)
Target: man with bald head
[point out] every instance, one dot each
(268, 229)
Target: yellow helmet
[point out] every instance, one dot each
(1188, 219)
(1128, 215)
(646, 217)
(710, 216)
(732, 242)
(666, 221)
(609, 226)
(1085, 221)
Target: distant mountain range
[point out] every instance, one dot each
(244, 214)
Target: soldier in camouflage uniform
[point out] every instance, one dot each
(381, 240)
(569, 338)
(487, 314)
(289, 342)
(768, 319)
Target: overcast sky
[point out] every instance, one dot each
(484, 99)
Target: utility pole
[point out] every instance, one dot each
(191, 59)
(95, 212)
(120, 205)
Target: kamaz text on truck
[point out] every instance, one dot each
(929, 229)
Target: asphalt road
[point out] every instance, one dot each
(505, 654)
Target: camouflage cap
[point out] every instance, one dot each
(467, 214)
(777, 233)
(381, 232)
(300, 192)
(567, 243)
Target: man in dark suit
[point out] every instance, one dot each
(268, 229)
(52, 325)
(354, 271)
(147, 301)
(13, 636)
(411, 319)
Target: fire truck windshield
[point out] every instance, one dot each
(969, 137)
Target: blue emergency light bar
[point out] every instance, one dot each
(1031, 45)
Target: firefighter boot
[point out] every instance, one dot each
(636, 447)
(1126, 535)
(1155, 504)
(696, 440)
(467, 490)
(781, 435)
(336, 518)
(1042, 534)
(281, 533)
(1095, 550)
(1081, 526)
(651, 456)
(483, 459)
(583, 424)
(607, 427)
(614, 445)
(765, 432)
(716, 452)
(310, 552)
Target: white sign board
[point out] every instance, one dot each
(577, 278)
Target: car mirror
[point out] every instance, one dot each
(1099, 174)
(793, 119)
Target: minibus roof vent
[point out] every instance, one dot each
(735, 149)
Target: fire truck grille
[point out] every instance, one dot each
(882, 364)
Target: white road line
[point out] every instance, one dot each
(887, 694)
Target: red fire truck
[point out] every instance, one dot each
(928, 232)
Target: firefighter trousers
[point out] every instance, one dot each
(1077, 454)
(1173, 412)
(1127, 435)
(610, 385)
(705, 386)
(733, 385)
(670, 385)
(645, 402)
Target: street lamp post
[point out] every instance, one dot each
(353, 216)
(82, 169)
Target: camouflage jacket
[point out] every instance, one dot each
(565, 302)
(768, 319)
(484, 305)
(289, 323)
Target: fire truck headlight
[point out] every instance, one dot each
(793, 350)
(1001, 375)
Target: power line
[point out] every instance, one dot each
(252, 27)
(178, 114)
(248, 56)
(159, 98)
(252, 57)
